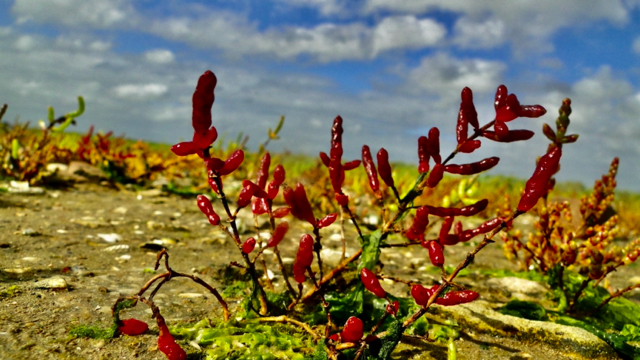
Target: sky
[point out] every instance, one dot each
(391, 69)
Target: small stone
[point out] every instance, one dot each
(191, 295)
(117, 248)
(521, 289)
(149, 193)
(53, 167)
(155, 225)
(31, 232)
(54, 283)
(110, 238)
(120, 210)
(165, 241)
(91, 222)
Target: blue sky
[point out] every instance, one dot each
(392, 69)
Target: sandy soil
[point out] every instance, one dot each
(65, 235)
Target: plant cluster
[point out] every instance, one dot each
(558, 244)
(24, 156)
(340, 324)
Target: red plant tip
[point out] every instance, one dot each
(434, 145)
(501, 97)
(384, 168)
(204, 139)
(420, 222)
(436, 254)
(325, 158)
(281, 212)
(457, 297)
(537, 185)
(350, 165)
(167, 344)
(393, 308)
(244, 198)
(204, 204)
(336, 132)
(532, 111)
(353, 330)
(278, 234)
(213, 164)
(259, 206)
(202, 100)
(423, 154)
(300, 206)
(470, 146)
(435, 175)
(420, 294)
(468, 109)
(213, 185)
(256, 190)
(249, 245)
(473, 168)
(304, 258)
(185, 148)
(263, 170)
(133, 327)
(370, 168)
(232, 163)
(371, 283)
(279, 175)
(511, 136)
(342, 199)
(327, 220)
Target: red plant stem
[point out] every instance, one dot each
(343, 238)
(264, 263)
(613, 296)
(236, 237)
(317, 247)
(402, 207)
(353, 220)
(470, 256)
(337, 270)
(171, 274)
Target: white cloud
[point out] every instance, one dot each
(527, 24)
(160, 56)
(406, 32)
(479, 34)
(325, 42)
(636, 45)
(95, 13)
(25, 43)
(140, 91)
(325, 7)
(446, 75)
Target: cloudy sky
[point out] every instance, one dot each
(392, 69)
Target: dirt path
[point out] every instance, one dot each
(66, 256)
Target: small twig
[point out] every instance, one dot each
(337, 270)
(325, 304)
(576, 296)
(284, 320)
(343, 238)
(317, 247)
(613, 296)
(171, 274)
(352, 217)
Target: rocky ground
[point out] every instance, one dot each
(67, 255)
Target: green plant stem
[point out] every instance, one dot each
(576, 296)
